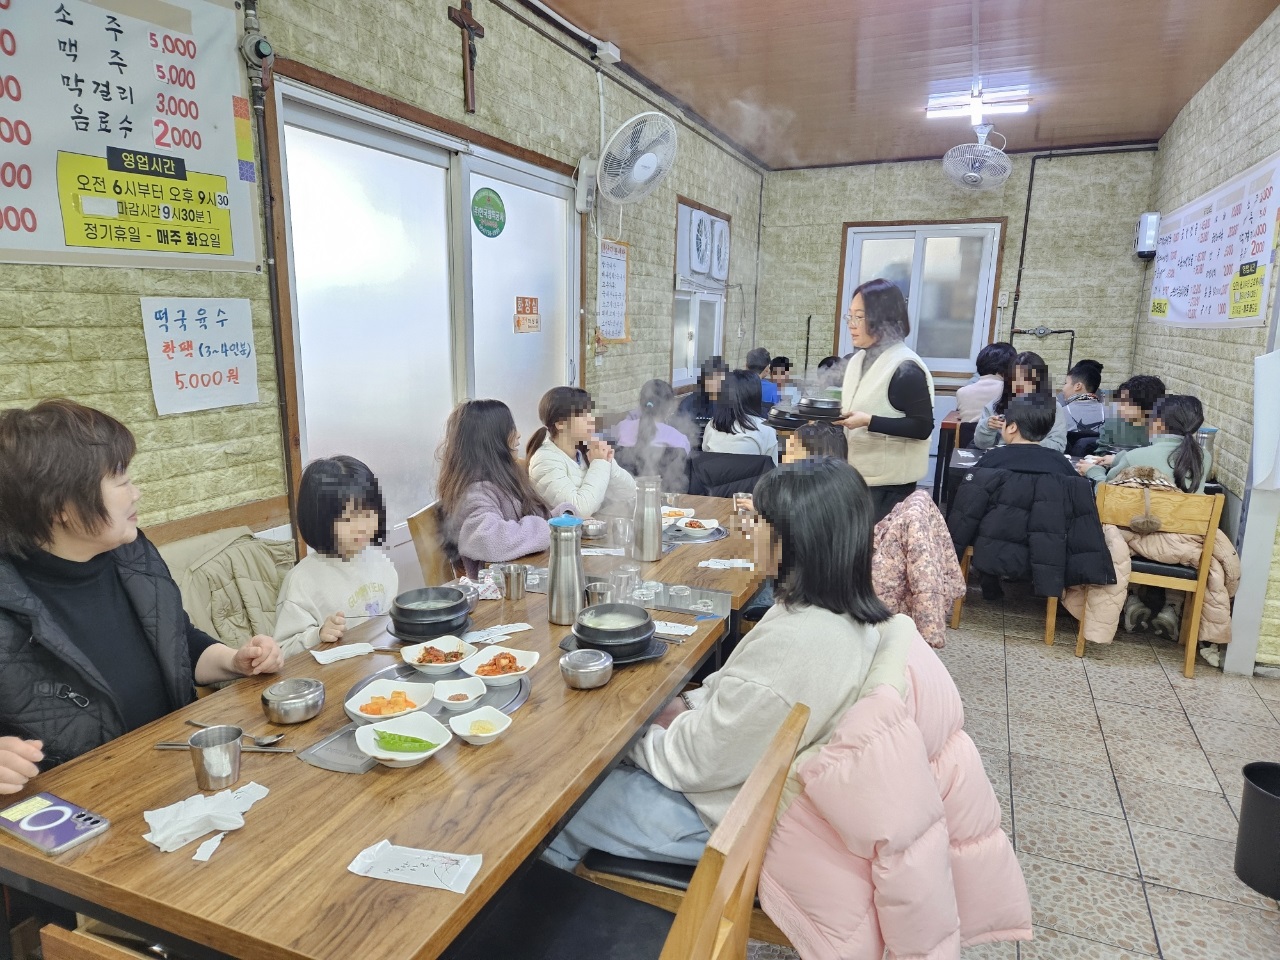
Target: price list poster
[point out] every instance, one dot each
(1214, 255)
(125, 137)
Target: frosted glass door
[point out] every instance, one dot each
(889, 258)
(370, 266)
(528, 259)
(948, 300)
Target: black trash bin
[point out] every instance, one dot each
(1258, 840)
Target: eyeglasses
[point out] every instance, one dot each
(849, 318)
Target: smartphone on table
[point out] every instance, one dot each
(50, 823)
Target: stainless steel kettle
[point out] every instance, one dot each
(566, 581)
(647, 545)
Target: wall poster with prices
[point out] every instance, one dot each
(201, 353)
(125, 135)
(1214, 255)
(611, 292)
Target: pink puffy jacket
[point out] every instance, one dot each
(895, 842)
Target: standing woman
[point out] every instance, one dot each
(569, 464)
(887, 397)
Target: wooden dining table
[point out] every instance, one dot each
(279, 886)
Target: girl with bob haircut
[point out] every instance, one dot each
(735, 428)
(93, 637)
(886, 398)
(814, 533)
(569, 463)
(342, 518)
(492, 513)
(1028, 375)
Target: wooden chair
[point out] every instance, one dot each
(424, 527)
(1050, 606)
(1191, 513)
(59, 944)
(550, 914)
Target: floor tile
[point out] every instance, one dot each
(1202, 812)
(1237, 739)
(1070, 741)
(1123, 650)
(769, 951)
(981, 616)
(1126, 721)
(1075, 836)
(1032, 628)
(1237, 705)
(1199, 928)
(1051, 781)
(1227, 769)
(983, 696)
(987, 728)
(996, 763)
(1193, 864)
(1152, 760)
(1052, 945)
(1126, 683)
(1006, 812)
(1089, 904)
(1268, 687)
(1049, 700)
(990, 951)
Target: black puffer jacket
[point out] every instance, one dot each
(724, 474)
(50, 691)
(1028, 516)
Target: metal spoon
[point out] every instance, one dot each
(257, 741)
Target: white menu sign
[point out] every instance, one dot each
(201, 352)
(611, 291)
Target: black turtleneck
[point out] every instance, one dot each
(90, 604)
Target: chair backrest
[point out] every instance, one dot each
(714, 918)
(1190, 513)
(724, 474)
(424, 527)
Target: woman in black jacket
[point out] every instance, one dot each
(90, 619)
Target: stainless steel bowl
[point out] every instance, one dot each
(594, 529)
(293, 701)
(586, 669)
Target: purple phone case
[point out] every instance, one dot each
(51, 823)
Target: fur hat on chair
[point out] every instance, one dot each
(1147, 478)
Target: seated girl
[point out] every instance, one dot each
(698, 407)
(649, 446)
(342, 518)
(814, 534)
(733, 428)
(816, 439)
(492, 513)
(1173, 450)
(1028, 374)
(569, 464)
(993, 364)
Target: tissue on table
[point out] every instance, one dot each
(422, 868)
(179, 823)
(343, 652)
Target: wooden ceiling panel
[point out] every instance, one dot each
(845, 81)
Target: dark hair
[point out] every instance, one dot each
(477, 448)
(826, 363)
(656, 400)
(757, 359)
(53, 458)
(557, 405)
(821, 513)
(1036, 367)
(994, 358)
(739, 399)
(327, 488)
(1088, 373)
(711, 366)
(1182, 416)
(1143, 391)
(783, 363)
(886, 310)
(1033, 415)
(822, 439)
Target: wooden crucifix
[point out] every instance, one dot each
(471, 30)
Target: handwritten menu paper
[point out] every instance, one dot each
(126, 136)
(611, 291)
(201, 352)
(422, 868)
(1213, 256)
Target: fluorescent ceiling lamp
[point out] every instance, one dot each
(975, 105)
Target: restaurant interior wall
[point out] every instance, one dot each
(1220, 132)
(77, 332)
(1079, 272)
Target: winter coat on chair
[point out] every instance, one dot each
(890, 844)
(724, 474)
(914, 566)
(1029, 516)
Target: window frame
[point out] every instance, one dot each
(688, 376)
(685, 286)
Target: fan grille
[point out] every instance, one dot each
(977, 166)
(637, 158)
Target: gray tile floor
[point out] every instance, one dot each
(1120, 783)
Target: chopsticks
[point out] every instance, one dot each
(179, 745)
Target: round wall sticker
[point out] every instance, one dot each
(488, 212)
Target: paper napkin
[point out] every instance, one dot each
(728, 564)
(343, 652)
(495, 634)
(422, 868)
(179, 823)
(674, 629)
(602, 551)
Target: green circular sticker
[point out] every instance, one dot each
(488, 212)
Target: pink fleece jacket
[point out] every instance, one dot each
(487, 528)
(895, 842)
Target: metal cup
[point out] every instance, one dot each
(215, 753)
(599, 592)
(512, 579)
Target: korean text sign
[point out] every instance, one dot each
(1213, 255)
(125, 138)
(201, 352)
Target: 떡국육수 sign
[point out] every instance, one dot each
(201, 352)
(125, 139)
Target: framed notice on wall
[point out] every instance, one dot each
(125, 135)
(1213, 256)
(611, 291)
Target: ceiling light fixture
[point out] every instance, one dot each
(978, 103)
